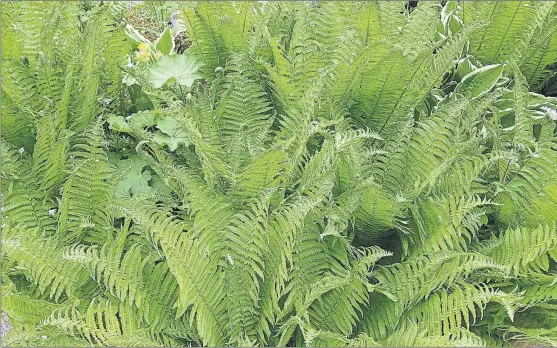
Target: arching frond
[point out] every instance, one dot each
(530, 197)
(53, 274)
(90, 186)
(204, 300)
(525, 248)
(243, 112)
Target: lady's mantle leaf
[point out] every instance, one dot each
(118, 124)
(181, 68)
(136, 180)
(143, 119)
(173, 134)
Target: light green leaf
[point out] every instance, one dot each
(163, 139)
(181, 68)
(135, 35)
(165, 42)
(119, 124)
(158, 184)
(174, 134)
(129, 80)
(136, 179)
(143, 119)
(480, 81)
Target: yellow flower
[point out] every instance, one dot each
(143, 53)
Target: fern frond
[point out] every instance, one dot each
(285, 225)
(49, 155)
(539, 288)
(541, 54)
(23, 206)
(388, 92)
(377, 211)
(245, 239)
(87, 88)
(18, 128)
(530, 197)
(20, 86)
(104, 322)
(414, 168)
(526, 248)
(444, 312)
(243, 112)
(202, 25)
(447, 223)
(264, 173)
(47, 269)
(447, 266)
(411, 335)
(339, 309)
(25, 310)
(513, 23)
(200, 291)
(87, 191)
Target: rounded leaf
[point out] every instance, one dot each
(182, 68)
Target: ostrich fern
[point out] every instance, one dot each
(304, 174)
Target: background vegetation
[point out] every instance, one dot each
(276, 173)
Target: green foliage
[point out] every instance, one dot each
(279, 173)
(180, 69)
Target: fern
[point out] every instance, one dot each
(89, 184)
(50, 272)
(306, 174)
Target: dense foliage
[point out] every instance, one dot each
(273, 173)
